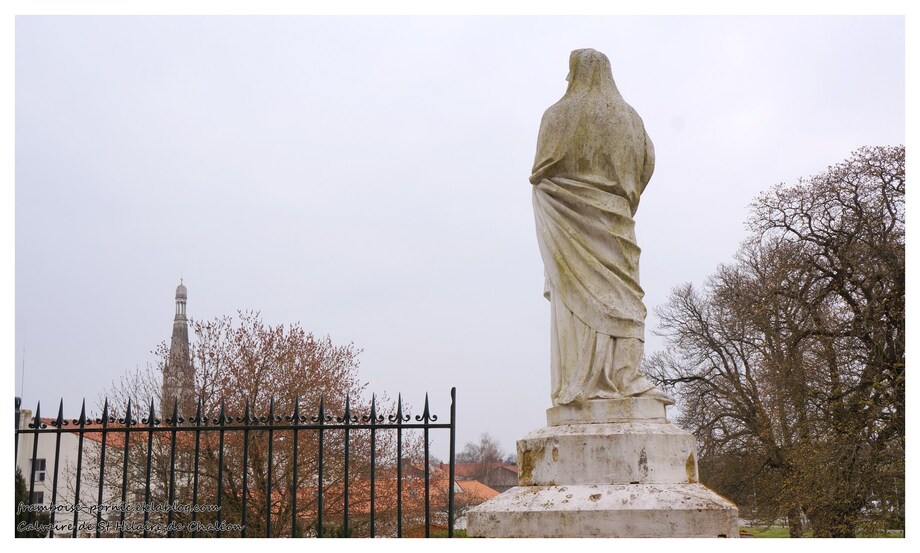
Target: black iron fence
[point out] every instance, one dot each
(350, 474)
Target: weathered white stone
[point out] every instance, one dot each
(593, 161)
(608, 464)
(607, 453)
(611, 479)
(605, 510)
(633, 409)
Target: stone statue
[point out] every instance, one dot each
(608, 463)
(594, 159)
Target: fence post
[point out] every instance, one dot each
(220, 468)
(172, 466)
(124, 474)
(105, 424)
(319, 478)
(151, 421)
(399, 421)
(453, 436)
(426, 418)
(37, 424)
(296, 420)
(347, 420)
(247, 421)
(59, 423)
(76, 501)
(268, 487)
(18, 422)
(373, 421)
(195, 474)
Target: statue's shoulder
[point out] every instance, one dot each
(557, 114)
(633, 114)
(554, 110)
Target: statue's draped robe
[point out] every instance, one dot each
(593, 161)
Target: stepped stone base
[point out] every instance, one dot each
(605, 511)
(607, 453)
(632, 409)
(606, 468)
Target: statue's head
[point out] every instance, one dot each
(589, 68)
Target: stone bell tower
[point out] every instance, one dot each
(179, 374)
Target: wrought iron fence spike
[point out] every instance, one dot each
(37, 419)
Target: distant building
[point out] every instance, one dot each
(502, 477)
(179, 374)
(39, 468)
(39, 473)
(498, 476)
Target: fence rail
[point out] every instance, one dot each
(180, 460)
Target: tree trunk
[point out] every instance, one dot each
(795, 522)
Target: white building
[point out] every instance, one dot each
(37, 465)
(79, 508)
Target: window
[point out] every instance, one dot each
(38, 469)
(38, 498)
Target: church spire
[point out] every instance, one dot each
(181, 299)
(179, 374)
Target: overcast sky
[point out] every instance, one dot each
(367, 177)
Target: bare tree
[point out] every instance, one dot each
(486, 455)
(790, 362)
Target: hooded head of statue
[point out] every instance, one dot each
(589, 70)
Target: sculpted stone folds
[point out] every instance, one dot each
(608, 463)
(593, 161)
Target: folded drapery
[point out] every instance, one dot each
(593, 161)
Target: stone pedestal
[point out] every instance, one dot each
(609, 468)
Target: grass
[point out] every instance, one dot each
(783, 532)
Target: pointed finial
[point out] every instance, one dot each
(38, 416)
